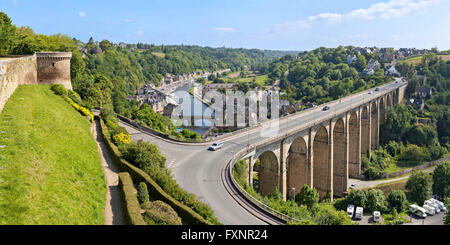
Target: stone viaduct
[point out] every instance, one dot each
(323, 155)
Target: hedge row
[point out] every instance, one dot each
(132, 207)
(138, 175)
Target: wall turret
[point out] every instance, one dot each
(54, 67)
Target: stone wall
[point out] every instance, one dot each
(48, 68)
(54, 67)
(15, 71)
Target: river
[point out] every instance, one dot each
(193, 106)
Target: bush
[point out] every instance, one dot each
(307, 196)
(143, 196)
(143, 154)
(159, 213)
(397, 200)
(358, 198)
(74, 96)
(59, 89)
(376, 201)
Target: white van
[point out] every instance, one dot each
(359, 213)
(376, 216)
(440, 205)
(429, 210)
(418, 211)
(350, 210)
(432, 204)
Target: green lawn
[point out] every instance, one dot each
(260, 80)
(417, 59)
(51, 172)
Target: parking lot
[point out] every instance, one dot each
(437, 219)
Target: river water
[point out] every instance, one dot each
(193, 106)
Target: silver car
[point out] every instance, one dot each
(216, 146)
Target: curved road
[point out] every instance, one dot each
(199, 171)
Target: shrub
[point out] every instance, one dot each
(143, 196)
(307, 196)
(143, 154)
(74, 96)
(358, 197)
(376, 201)
(397, 200)
(159, 213)
(122, 138)
(59, 89)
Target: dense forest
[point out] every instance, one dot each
(323, 74)
(410, 136)
(103, 73)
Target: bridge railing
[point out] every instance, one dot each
(253, 147)
(249, 197)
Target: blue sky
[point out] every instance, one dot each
(264, 24)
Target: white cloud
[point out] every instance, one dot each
(381, 10)
(82, 14)
(225, 29)
(128, 20)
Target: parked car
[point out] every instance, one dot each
(359, 213)
(326, 108)
(216, 146)
(350, 210)
(376, 216)
(377, 89)
(419, 211)
(352, 186)
(370, 92)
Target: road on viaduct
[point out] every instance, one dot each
(198, 170)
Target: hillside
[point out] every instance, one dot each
(51, 171)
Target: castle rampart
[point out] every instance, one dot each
(45, 67)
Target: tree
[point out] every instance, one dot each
(441, 180)
(399, 120)
(327, 215)
(358, 198)
(397, 200)
(307, 196)
(376, 201)
(419, 185)
(7, 34)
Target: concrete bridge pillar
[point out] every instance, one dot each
(283, 168)
(374, 125)
(365, 130)
(354, 143)
(250, 164)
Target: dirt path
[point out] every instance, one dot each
(114, 214)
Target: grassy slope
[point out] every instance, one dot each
(51, 168)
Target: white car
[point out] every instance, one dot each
(216, 146)
(352, 186)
